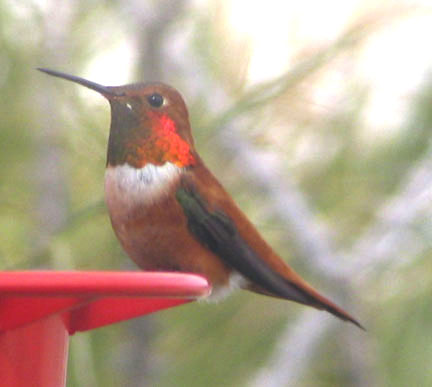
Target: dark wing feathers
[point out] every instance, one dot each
(217, 232)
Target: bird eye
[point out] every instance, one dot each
(155, 100)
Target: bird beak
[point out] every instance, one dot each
(106, 91)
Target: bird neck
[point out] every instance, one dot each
(153, 140)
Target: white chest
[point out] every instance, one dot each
(126, 186)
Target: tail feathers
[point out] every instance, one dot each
(320, 302)
(301, 292)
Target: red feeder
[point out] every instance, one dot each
(40, 310)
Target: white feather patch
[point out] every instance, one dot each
(236, 281)
(126, 186)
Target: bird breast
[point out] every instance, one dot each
(127, 187)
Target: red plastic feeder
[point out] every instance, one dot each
(40, 310)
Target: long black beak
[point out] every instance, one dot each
(104, 90)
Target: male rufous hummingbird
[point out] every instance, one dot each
(169, 211)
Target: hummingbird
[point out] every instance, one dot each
(168, 210)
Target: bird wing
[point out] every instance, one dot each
(215, 228)
(216, 231)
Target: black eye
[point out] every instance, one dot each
(155, 100)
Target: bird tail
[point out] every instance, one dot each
(298, 290)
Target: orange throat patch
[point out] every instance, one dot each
(164, 144)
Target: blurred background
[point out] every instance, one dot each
(315, 116)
